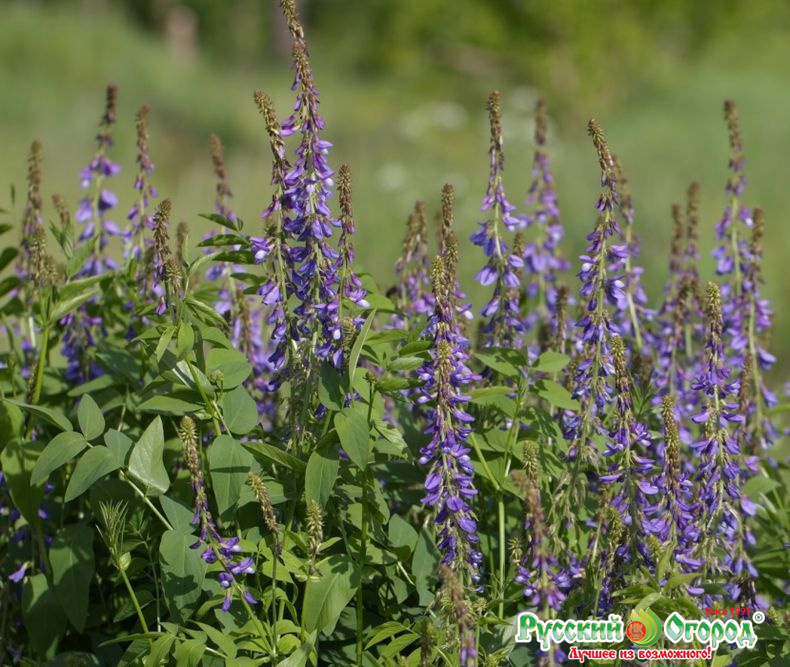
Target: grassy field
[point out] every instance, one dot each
(402, 138)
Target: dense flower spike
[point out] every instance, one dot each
(758, 431)
(277, 288)
(413, 295)
(311, 259)
(139, 215)
(216, 549)
(719, 473)
(350, 286)
(503, 324)
(31, 220)
(83, 328)
(449, 485)
(672, 517)
(224, 193)
(629, 448)
(98, 200)
(542, 256)
(590, 386)
(545, 583)
(464, 621)
(632, 316)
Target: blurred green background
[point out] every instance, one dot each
(403, 86)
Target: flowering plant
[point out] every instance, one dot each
(249, 453)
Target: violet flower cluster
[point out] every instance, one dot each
(216, 549)
(503, 324)
(590, 386)
(543, 260)
(412, 291)
(449, 485)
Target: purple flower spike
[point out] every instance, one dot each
(450, 480)
(503, 325)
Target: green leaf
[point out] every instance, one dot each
(679, 580)
(229, 464)
(300, 656)
(145, 461)
(423, 566)
(7, 256)
(271, 454)
(160, 650)
(65, 307)
(232, 364)
(497, 397)
(54, 417)
(504, 361)
(402, 533)
(223, 220)
(405, 363)
(76, 287)
(44, 617)
(94, 386)
(90, 418)
(325, 598)
(321, 474)
(180, 516)
(330, 388)
(356, 349)
(118, 444)
(352, 429)
(185, 402)
(183, 572)
(12, 421)
(185, 340)
(239, 411)
(555, 394)
(61, 449)
(190, 654)
(94, 464)
(223, 642)
(758, 485)
(17, 461)
(551, 362)
(71, 555)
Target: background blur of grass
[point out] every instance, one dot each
(403, 88)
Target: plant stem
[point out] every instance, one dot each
(135, 603)
(363, 545)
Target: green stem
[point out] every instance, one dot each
(146, 500)
(502, 549)
(135, 603)
(363, 545)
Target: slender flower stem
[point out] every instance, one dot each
(133, 597)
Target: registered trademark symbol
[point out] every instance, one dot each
(758, 617)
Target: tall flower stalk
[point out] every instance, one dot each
(542, 256)
(449, 485)
(594, 358)
(503, 324)
(412, 291)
